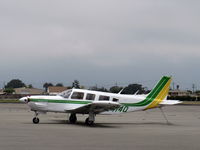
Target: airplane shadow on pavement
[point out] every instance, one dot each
(107, 125)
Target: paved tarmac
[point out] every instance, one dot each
(131, 131)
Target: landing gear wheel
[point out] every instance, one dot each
(88, 122)
(73, 118)
(36, 120)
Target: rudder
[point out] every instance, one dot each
(159, 93)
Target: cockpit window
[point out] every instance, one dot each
(66, 94)
(77, 95)
(104, 98)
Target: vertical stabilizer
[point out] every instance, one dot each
(159, 92)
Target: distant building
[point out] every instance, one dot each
(178, 93)
(54, 90)
(28, 91)
(1, 91)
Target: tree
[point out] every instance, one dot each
(9, 90)
(95, 88)
(76, 84)
(102, 89)
(69, 87)
(82, 87)
(15, 83)
(133, 88)
(115, 89)
(59, 84)
(46, 85)
(197, 92)
(30, 86)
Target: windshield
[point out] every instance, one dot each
(66, 94)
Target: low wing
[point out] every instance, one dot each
(170, 102)
(95, 107)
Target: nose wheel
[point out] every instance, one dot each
(36, 120)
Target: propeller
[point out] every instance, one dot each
(24, 99)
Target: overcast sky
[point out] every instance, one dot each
(100, 41)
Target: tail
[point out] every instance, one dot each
(156, 96)
(159, 92)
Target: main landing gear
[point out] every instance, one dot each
(88, 121)
(73, 118)
(36, 120)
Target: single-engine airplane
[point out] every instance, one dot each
(81, 101)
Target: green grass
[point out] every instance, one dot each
(9, 101)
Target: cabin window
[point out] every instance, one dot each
(90, 96)
(115, 100)
(77, 95)
(104, 98)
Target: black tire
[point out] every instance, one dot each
(88, 122)
(36, 120)
(73, 118)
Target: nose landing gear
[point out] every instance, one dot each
(36, 120)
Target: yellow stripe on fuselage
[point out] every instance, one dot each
(161, 96)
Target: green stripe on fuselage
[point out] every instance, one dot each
(60, 101)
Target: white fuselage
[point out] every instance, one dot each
(60, 104)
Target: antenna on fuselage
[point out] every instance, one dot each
(136, 92)
(120, 91)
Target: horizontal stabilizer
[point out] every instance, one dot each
(170, 102)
